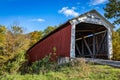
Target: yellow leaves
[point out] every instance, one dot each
(2, 57)
(35, 36)
(12, 42)
(2, 29)
(2, 35)
(54, 49)
(116, 46)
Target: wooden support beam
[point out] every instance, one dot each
(78, 39)
(94, 45)
(88, 47)
(82, 48)
(84, 31)
(100, 32)
(100, 45)
(87, 55)
(90, 36)
(77, 48)
(100, 28)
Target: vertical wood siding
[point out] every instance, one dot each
(60, 39)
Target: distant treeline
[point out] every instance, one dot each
(14, 40)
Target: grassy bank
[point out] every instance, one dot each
(76, 72)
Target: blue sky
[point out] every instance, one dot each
(38, 14)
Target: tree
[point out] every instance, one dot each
(118, 30)
(12, 52)
(116, 45)
(15, 42)
(3, 31)
(35, 36)
(48, 30)
(112, 11)
(16, 30)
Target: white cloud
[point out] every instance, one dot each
(69, 11)
(37, 20)
(97, 2)
(40, 20)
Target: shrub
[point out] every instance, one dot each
(12, 66)
(40, 66)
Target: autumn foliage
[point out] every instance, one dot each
(116, 45)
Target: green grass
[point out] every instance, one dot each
(103, 72)
(76, 72)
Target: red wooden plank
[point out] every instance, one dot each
(60, 40)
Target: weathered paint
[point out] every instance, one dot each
(59, 40)
(110, 49)
(63, 40)
(72, 44)
(92, 17)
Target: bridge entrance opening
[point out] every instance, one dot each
(91, 41)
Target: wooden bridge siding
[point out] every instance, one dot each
(60, 40)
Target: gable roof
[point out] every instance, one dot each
(98, 14)
(68, 22)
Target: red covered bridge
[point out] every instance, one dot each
(88, 35)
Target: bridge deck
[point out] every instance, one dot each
(104, 62)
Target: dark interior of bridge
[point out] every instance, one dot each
(91, 41)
